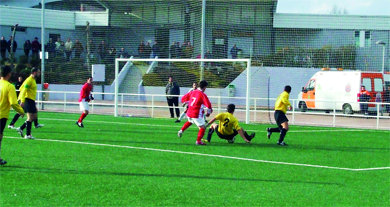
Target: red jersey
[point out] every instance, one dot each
(85, 92)
(197, 100)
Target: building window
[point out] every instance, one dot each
(363, 38)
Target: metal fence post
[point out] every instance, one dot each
(122, 104)
(377, 115)
(255, 110)
(65, 102)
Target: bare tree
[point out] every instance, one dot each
(338, 11)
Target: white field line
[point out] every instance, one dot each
(207, 155)
(178, 126)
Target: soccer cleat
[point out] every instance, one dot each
(205, 141)
(39, 126)
(282, 144)
(231, 141)
(180, 133)
(20, 132)
(200, 143)
(29, 137)
(11, 126)
(269, 133)
(3, 162)
(177, 121)
(80, 124)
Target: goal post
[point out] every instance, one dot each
(245, 62)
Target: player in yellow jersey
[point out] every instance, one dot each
(281, 105)
(28, 92)
(228, 127)
(7, 100)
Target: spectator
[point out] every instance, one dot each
(58, 44)
(68, 49)
(386, 99)
(102, 50)
(178, 50)
(141, 49)
(35, 48)
(123, 53)
(172, 50)
(27, 48)
(364, 97)
(51, 48)
(234, 51)
(112, 54)
(78, 49)
(172, 90)
(155, 50)
(12, 43)
(92, 48)
(190, 50)
(147, 50)
(3, 47)
(61, 50)
(183, 50)
(18, 84)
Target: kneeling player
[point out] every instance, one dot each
(228, 127)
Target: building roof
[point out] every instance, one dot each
(313, 21)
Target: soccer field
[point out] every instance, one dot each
(141, 162)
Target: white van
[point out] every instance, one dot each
(340, 89)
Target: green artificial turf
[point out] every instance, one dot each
(52, 173)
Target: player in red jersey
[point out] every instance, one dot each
(85, 98)
(197, 103)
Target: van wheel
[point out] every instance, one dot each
(302, 106)
(347, 109)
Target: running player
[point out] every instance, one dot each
(228, 127)
(281, 105)
(85, 98)
(28, 92)
(182, 115)
(197, 102)
(7, 100)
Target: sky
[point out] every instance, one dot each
(353, 7)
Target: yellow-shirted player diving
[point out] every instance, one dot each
(7, 100)
(228, 127)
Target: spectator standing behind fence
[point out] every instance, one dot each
(14, 46)
(173, 89)
(27, 48)
(68, 49)
(51, 48)
(35, 48)
(18, 84)
(364, 97)
(172, 50)
(386, 99)
(141, 49)
(178, 50)
(78, 49)
(92, 49)
(59, 51)
(155, 50)
(102, 50)
(123, 53)
(234, 51)
(3, 47)
(147, 50)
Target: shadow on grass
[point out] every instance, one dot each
(128, 174)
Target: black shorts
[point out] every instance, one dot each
(280, 117)
(3, 122)
(29, 106)
(228, 137)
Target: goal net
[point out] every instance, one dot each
(140, 84)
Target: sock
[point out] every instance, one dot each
(200, 134)
(185, 126)
(274, 129)
(247, 136)
(15, 119)
(28, 131)
(182, 115)
(209, 134)
(83, 115)
(282, 135)
(36, 122)
(23, 125)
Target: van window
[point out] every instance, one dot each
(311, 85)
(378, 84)
(367, 83)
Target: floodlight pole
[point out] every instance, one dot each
(42, 49)
(202, 39)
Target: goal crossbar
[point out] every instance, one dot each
(248, 82)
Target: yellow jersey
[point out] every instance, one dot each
(8, 99)
(227, 123)
(282, 102)
(28, 89)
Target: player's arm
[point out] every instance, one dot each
(185, 98)
(207, 103)
(14, 101)
(211, 122)
(241, 133)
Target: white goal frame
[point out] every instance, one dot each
(248, 79)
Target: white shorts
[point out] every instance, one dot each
(197, 121)
(84, 105)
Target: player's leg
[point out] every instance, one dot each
(30, 118)
(271, 130)
(200, 123)
(14, 120)
(185, 126)
(283, 133)
(182, 115)
(245, 135)
(2, 126)
(84, 107)
(212, 128)
(36, 123)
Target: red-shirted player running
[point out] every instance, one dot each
(197, 102)
(85, 97)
